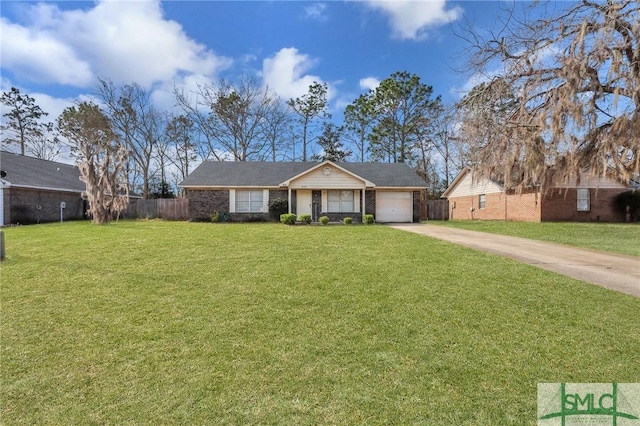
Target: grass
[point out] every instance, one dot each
(184, 323)
(614, 237)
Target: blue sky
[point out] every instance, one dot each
(55, 51)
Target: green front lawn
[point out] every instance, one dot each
(185, 323)
(615, 237)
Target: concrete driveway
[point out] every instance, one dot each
(614, 271)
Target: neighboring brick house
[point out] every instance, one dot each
(592, 200)
(243, 190)
(32, 189)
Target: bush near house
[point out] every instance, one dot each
(323, 220)
(347, 220)
(288, 218)
(367, 219)
(305, 219)
(277, 207)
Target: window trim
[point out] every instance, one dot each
(253, 203)
(584, 195)
(342, 203)
(482, 201)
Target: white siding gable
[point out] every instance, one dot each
(467, 187)
(336, 179)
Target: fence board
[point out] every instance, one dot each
(437, 209)
(161, 208)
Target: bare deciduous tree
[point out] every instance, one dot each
(233, 118)
(100, 157)
(45, 143)
(575, 73)
(138, 123)
(277, 130)
(240, 111)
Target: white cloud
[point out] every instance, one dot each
(285, 73)
(122, 41)
(163, 95)
(316, 11)
(38, 56)
(410, 19)
(369, 83)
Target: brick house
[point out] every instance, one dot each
(244, 190)
(590, 201)
(32, 190)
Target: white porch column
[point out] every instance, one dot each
(364, 196)
(289, 203)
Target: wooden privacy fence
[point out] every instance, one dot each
(159, 208)
(437, 209)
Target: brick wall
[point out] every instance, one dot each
(28, 206)
(339, 217)
(525, 207)
(203, 202)
(498, 206)
(468, 208)
(370, 205)
(561, 205)
(6, 206)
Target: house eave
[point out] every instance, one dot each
(401, 188)
(41, 188)
(225, 187)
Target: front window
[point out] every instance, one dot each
(584, 200)
(249, 201)
(339, 201)
(482, 201)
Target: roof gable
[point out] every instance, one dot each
(325, 173)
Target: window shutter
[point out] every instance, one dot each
(232, 201)
(265, 201)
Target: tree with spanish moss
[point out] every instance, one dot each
(574, 70)
(101, 158)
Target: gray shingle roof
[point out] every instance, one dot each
(272, 174)
(34, 172)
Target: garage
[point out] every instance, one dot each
(394, 206)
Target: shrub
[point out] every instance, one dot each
(215, 216)
(277, 207)
(367, 219)
(347, 220)
(323, 220)
(288, 218)
(305, 218)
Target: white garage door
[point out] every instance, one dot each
(392, 206)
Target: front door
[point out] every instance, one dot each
(303, 202)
